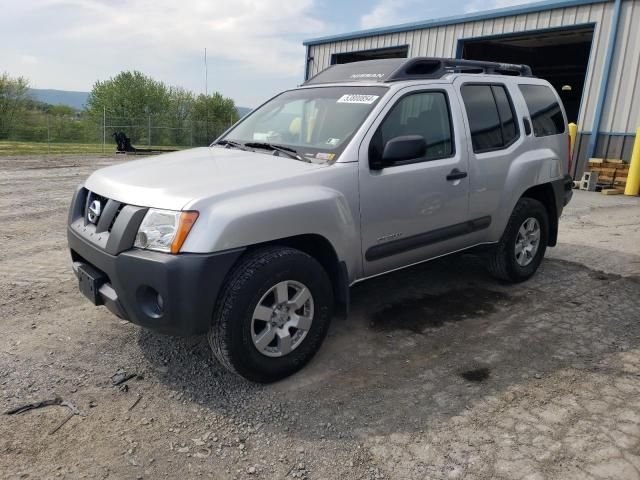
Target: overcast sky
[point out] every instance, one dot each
(254, 46)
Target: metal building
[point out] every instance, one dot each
(588, 49)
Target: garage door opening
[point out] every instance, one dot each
(559, 56)
(378, 53)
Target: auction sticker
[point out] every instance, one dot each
(325, 156)
(355, 98)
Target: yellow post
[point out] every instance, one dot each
(573, 131)
(633, 178)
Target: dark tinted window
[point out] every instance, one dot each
(425, 114)
(484, 122)
(490, 115)
(544, 109)
(507, 119)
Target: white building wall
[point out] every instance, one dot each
(622, 108)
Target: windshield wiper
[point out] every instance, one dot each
(230, 143)
(278, 148)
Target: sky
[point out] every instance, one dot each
(254, 47)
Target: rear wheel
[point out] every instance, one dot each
(273, 314)
(520, 251)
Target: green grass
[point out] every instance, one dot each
(10, 148)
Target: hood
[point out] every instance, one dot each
(173, 180)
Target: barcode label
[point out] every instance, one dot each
(354, 98)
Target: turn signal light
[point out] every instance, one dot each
(187, 219)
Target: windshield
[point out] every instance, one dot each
(316, 123)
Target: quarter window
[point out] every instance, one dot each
(491, 117)
(545, 111)
(425, 114)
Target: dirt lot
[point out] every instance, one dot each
(439, 371)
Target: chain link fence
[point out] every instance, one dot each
(97, 135)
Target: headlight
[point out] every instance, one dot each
(164, 230)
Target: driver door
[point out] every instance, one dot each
(415, 209)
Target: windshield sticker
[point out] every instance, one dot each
(261, 137)
(325, 156)
(354, 98)
(333, 141)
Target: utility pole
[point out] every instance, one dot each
(206, 74)
(206, 95)
(48, 134)
(104, 127)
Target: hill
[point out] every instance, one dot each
(242, 111)
(78, 100)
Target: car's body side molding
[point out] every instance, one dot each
(427, 238)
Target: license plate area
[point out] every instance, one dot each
(89, 281)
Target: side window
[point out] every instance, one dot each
(545, 111)
(507, 117)
(491, 117)
(425, 114)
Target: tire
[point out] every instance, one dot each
(239, 331)
(504, 263)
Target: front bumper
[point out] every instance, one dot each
(128, 284)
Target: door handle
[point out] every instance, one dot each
(456, 174)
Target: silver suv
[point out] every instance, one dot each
(367, 168)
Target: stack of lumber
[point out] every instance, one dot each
(612, 173)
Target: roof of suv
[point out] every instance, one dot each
(419, 68)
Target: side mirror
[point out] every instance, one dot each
(408, 147)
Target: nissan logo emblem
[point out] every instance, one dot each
(94, 211)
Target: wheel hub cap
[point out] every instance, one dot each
(527, 241)
(282, 318)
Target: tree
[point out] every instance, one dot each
(177, 116)
(129, 98)
(214, 114)
(13, 92)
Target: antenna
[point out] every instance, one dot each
(206, 95)
(206, 74)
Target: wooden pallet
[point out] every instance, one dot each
(611, 172)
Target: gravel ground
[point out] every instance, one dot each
(439, 371)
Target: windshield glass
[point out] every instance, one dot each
(316, 122)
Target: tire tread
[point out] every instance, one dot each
(219, 333)
(497, 262)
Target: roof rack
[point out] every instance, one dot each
(397, 69)
(424, 67)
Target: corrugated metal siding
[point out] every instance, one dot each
(622, 110)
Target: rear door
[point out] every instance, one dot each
(495, 141)
(418, 209)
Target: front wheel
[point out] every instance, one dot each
(273, 314)
(520, 251)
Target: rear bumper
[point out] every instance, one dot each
(563, 191)
(130, 282)
(567, 183)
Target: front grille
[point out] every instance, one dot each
(115, 216)
(101, 211)
(113, 230)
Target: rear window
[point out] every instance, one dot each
(545, 111)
